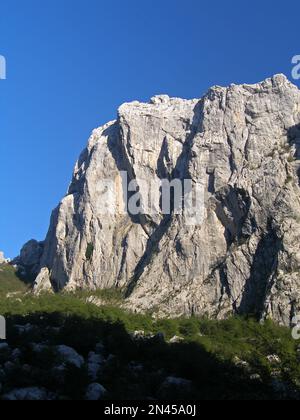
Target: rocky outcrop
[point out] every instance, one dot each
(2, 258)
(28, 262)
(240, 146)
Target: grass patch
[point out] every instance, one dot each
(10, 282)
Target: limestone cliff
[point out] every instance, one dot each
(241, 144)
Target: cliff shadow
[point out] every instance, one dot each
(264, 265)
(119, 155)
(294, 140)
(181, 172)
(137, 368)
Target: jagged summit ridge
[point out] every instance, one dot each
(241, 144)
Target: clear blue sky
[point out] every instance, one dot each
(71, 63)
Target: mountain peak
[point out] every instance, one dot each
(233, 252)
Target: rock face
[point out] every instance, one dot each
(29, 260)
(241, 145)
(2, 258)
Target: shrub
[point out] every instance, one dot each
(89, 251)
(206, 357)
